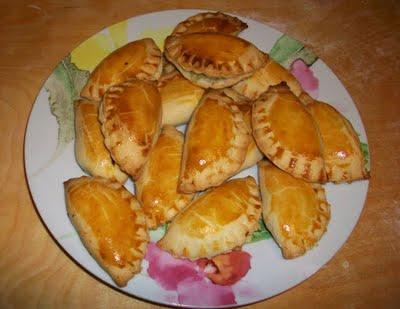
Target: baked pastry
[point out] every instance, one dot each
(168, 67)
(90, 152)
(156, 187)
(139, 59)
(253, 154)
(110, 223)
(179, 98)
(344, 160)
(218, 221)
(295, 212)
(271, 74)
(210, 22)
(130, 114)
(286, 133)
(236, 96)
(213, 60)
(215, 145)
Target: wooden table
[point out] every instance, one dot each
(359, 40)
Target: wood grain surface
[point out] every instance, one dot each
(359, 40)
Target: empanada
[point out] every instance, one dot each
(286, 133)
(90, 152)
(156, 187)
(130, 114)
(110, 223)
(253, 154)
(139, 59)
(213, 60)
(218, 221)
(295, 212)
(179, 98)
(269, 75)
(344, 160)
(210, 22)
(215, 145)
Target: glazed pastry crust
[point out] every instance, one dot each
(139, 59)
(295, 212)
(213, 60)
(236, 97)
(130, 114)
(269, 75)
(216, 222)
(253, 154)
(110, 223)
(210, 22)
(90, 152)
(286, 133)
(156, 187)
(179, 98)
(215, 145)
(344, 160)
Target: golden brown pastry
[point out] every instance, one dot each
(236, 97)
(156, 187)
(213, 60)
(168, 67)
(286, 133)
(110, 223)
(179, 98)
(90, 152)
(253, 154)
(130, 114)
(269, 75)
(215, 145)
(295, 212)
(139, 59)
(210, 22)
(218, 221)
(344, 160)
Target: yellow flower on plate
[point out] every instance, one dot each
(157, 34)
(89, 54)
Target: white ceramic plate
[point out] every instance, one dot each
(49, 165)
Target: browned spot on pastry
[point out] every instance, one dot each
(292, 163)
(267, 130)
(145, 151)
(207, 62)
(322, 176)
(279, 153)
(307, 167)
(315, 226)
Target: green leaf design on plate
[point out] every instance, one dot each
(286, 50)
(261, 234)
(365, 151)
(158, 233)
(64, 86)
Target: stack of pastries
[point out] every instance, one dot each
(240, 106)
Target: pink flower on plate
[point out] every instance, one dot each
(166, 270)
(306, 77)
(197, 291)
(191, 282)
